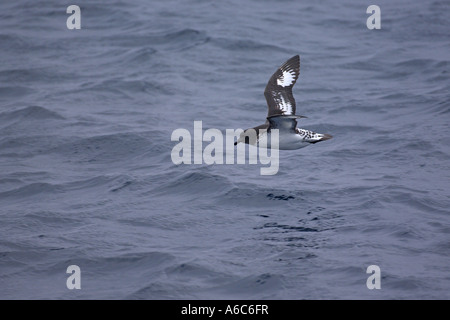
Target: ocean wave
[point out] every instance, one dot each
(12, 92)
(30, 113)
(112, 183)
(141, 56)
(13, 42)
(130, 87)
(256, 286)
(174, 40)
(246, 45)
(32, 189)
(32, 75)
(103, 148)
(196, 183)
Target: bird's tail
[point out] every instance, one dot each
(313, 137)
(320, 137)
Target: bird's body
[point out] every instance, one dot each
(281, 113)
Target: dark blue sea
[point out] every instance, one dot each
(87, 179)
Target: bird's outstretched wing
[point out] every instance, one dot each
(278, 91)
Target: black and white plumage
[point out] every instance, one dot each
(281, 114)
(278, 91)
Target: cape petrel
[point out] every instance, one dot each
(281, 114)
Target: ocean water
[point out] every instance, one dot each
(86, 176)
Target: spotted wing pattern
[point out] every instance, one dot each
(278, 91)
